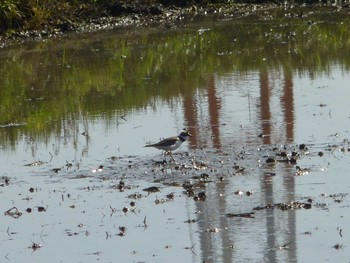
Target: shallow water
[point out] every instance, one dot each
(246, 89)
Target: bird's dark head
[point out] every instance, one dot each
(185, 134)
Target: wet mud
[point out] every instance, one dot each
(136, 186)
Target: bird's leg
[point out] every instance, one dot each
(168, 153)
(164, 156)
(171, 154)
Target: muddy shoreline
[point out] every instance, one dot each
(124, 16)
(155, 16)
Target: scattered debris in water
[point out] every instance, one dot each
(151, 189)
(41, 209)
(309, 233)
(243, 215)
(36, 163)
(212, 230)
(35, 246)
(191, 248)
(338, 246)
(340, 231)
(99, 169)
(6, 181)
(190, 179)
(190, 221)
(293, 205)
(201, 196)
(239, 192)
(122, 231)
(13, 212)
(281, 247)
(302, 171)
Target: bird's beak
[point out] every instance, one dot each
(189, 134)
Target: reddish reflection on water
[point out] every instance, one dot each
(261, 239)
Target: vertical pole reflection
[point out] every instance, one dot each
(190, 117)
(266, 130)
(273, 192)
(288, 104)
(214, 111)
(287, 100)
(265, 106)
(277, 228)
(214, 248)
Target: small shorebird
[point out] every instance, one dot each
(172, 143)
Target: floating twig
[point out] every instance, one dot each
(191, 248)
(13, 212)
(340, 231)
(145, 223)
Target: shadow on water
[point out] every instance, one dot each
(263, 178)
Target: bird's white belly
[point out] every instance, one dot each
(170, 148)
